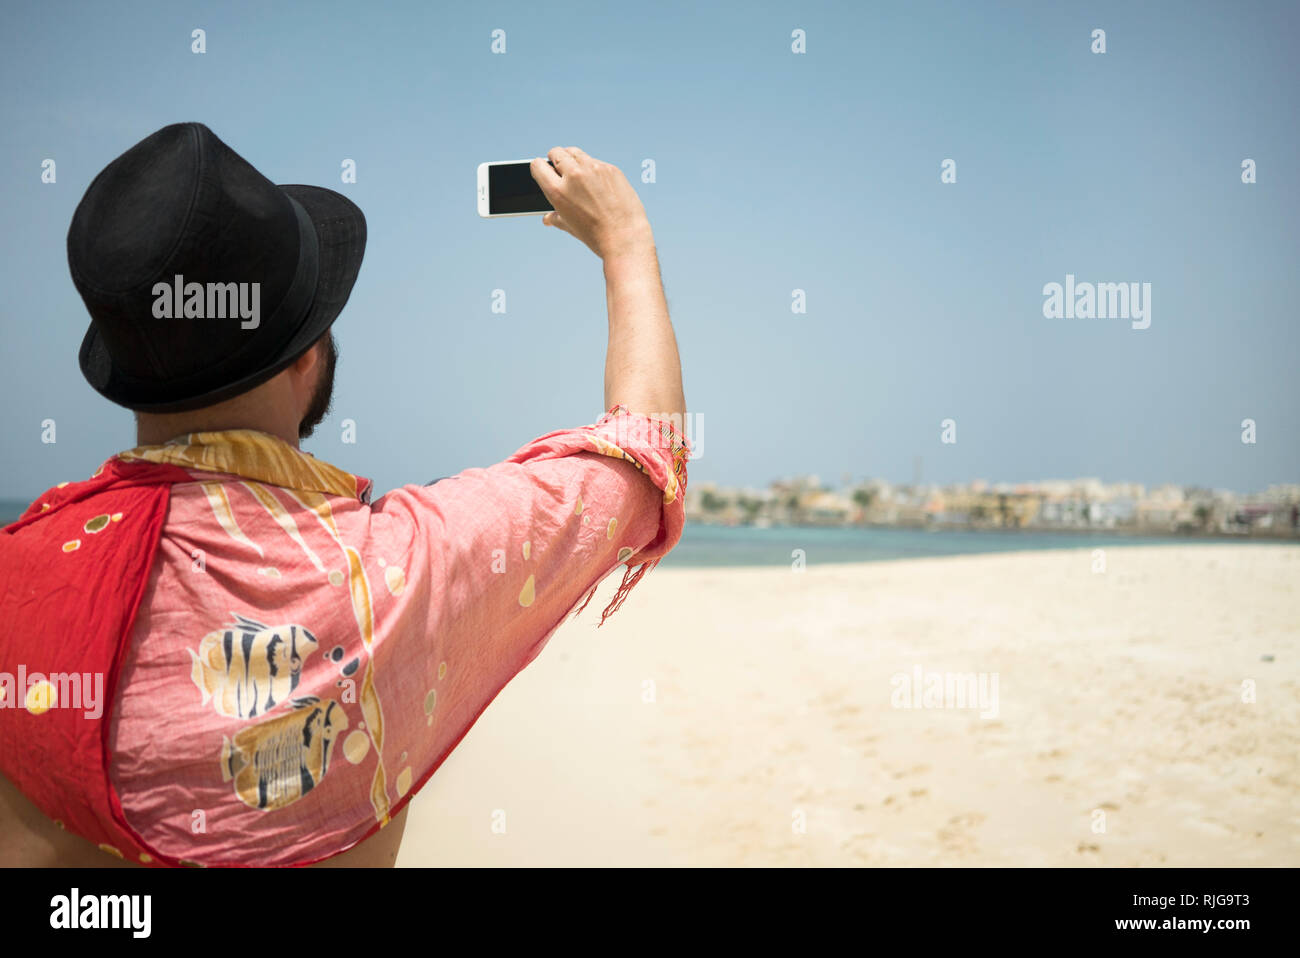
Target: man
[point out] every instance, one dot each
(284, 663)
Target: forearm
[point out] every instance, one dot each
(642, 368)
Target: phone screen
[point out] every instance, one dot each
(512, 189)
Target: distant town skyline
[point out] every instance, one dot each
(848, 480)
(1062, 504)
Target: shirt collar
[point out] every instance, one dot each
(254, 455)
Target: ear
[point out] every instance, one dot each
(305, 363)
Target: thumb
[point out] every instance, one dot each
(554, 219)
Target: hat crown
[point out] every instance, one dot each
(180, 200)
(180, 208)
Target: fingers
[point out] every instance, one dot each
(545, 176)
(562, 158)
(550, 176)
(569, 158)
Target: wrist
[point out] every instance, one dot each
(630, 245)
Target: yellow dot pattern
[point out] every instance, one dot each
(97, 524)
(395, 579)
(41, 697)
(356, 746)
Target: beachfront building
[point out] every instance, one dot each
(1164, 509)
(1046, 504)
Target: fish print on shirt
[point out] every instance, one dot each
(245, 668)
(278, 761)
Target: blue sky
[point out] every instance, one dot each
(775, 171)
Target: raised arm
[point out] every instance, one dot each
(595, 202)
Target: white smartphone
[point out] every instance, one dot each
(507, 188)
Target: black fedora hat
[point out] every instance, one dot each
(202, 277)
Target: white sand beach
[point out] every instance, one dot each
(1119, 704)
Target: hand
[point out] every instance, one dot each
(593, 201)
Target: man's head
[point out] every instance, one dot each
(290, 404)
(211, 290)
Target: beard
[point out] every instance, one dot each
(322, 396)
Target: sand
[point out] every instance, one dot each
(744, 717)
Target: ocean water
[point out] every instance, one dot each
(11, 509)
(707, 545)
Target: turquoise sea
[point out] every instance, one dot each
(706, 545)
(11, 509)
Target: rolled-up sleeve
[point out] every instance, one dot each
(511, 549)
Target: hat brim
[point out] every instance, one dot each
(341, 237)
